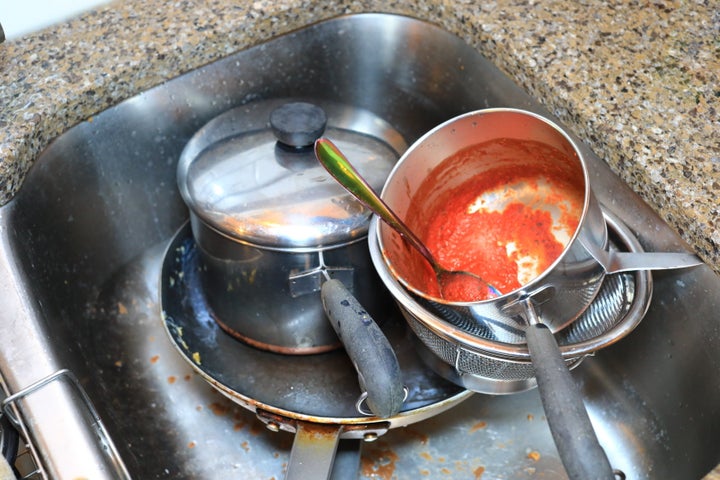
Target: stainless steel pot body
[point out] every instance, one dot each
(271, 298)
(563, 290)
(270, 223)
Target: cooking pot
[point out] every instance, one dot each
(430, 173)
(271, 225)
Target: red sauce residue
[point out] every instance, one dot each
(256, 428)
(171, 379)
(478, 472)
(219, 409)
(154, 359)
(496, 223)
(240, 421)
(478, 426)
(378, 461)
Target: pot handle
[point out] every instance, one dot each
(580, 451)
(368, 348)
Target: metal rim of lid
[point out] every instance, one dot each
(289, 223)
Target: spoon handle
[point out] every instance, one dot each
(339, 167)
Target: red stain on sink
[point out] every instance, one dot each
(534, 456)
(240, 422)
(478, 426)
(379, 461)
(219, 409)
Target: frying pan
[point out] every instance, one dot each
(314, 397)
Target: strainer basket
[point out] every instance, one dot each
(493, 358)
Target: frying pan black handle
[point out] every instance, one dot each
(579, 449)
(367, 347)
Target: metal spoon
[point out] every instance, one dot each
(340, 168)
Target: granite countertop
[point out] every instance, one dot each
(639, 83)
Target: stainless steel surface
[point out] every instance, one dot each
(614, 262)
(9, 410)
(271, 298)
(81, 246)
(313, 452)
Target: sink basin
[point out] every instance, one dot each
(83, 242)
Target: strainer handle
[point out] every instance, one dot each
(580, 451)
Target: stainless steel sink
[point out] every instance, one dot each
(82, 244)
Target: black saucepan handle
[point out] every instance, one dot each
(579, 449)
(368, 348)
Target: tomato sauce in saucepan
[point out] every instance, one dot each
(507, 223)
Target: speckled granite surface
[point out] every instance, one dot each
(639, 81)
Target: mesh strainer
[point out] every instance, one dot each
(493, 358)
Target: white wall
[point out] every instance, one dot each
(19, 17)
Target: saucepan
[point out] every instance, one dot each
(541, 233)
(514, 170)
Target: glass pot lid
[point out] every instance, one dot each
(251, 173)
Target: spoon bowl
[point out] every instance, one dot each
(452, 283)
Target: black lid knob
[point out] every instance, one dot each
(298, 124)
